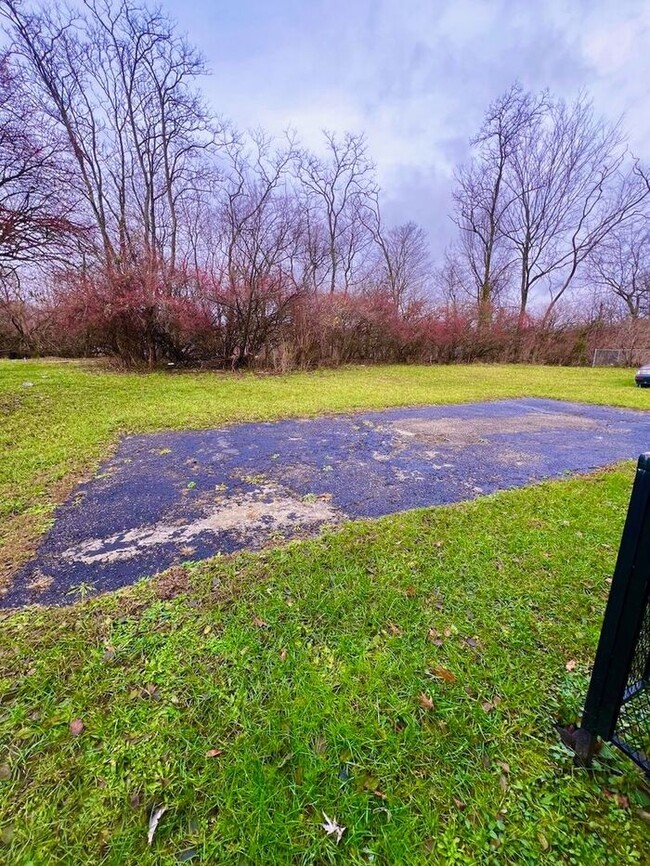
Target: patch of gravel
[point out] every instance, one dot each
(472, 431)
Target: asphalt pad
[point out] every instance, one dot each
(170, 497)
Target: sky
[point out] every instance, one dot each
(415, 76)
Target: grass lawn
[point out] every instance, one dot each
(400, 675)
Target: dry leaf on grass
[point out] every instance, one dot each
(332, 828)
(156, 815)
(76, 727)
(443, 674)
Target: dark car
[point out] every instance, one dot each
(642, 377)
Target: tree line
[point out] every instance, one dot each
(137, 223)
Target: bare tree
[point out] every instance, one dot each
(118, 81)
(547, 184)
(482, 199)
(35, 217)
(310, 265)
(37, 227)
(258, 238)
(340, 185)
(403, 267)
(620, 265)
(568, 188)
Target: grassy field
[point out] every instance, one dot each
(400, 676)
(60, 418)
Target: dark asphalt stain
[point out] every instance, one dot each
(170, 497)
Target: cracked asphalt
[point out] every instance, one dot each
(170, 497)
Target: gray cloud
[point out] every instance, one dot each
(417, 76)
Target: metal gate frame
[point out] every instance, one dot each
(620, 679)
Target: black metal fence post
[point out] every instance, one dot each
(617, 707)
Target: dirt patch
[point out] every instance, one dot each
(40, 581)
(254, 515)
(171, 583)
(21, 534)
(472, 431)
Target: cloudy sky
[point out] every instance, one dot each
(416, 76)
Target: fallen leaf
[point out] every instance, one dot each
(380, 794)
(434, 637)
(76, 727)
(134, 800)
(283, 655)
(411, 592)
(213, 753)
(570, 665)
(259, 623)
(332, 828)
(487, 706)
(425, 702)
(643, 815)
(393, 629)
(443, 674)
(154, 819)
(5, 772)
(459, 804)
(503, 782)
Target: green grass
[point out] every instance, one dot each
(319, 670)
(60, 418)
(305, 667)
